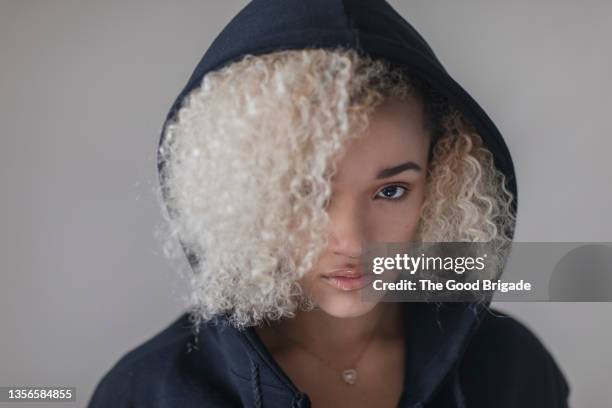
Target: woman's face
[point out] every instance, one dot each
(377, 195)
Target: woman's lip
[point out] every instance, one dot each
(354, 282)
(348, 273)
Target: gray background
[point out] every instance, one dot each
(85, 86)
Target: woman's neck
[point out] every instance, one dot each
(321, 331)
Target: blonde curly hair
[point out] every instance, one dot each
(249, 159)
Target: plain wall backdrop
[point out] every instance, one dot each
(85, 86)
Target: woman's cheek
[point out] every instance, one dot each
(394, 222)
(410, 229)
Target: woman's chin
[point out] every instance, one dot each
(343, 306)
(337, 299)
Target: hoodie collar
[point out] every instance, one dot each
(437, 335)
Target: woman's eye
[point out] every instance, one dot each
(394, 192)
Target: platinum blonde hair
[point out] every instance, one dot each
(249, 159)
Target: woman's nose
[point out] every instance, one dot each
(346, 230)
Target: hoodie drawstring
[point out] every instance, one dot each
(457, 391)
(256, 385)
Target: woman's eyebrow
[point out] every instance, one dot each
(391, 171)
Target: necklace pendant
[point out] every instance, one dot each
(349, 376)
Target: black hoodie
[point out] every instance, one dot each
(457, 354)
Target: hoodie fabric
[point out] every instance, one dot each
(457, 354)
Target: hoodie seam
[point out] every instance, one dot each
(454, 365)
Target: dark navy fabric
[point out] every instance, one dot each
(457, 354)
(448, 364)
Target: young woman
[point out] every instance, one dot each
(308, 129)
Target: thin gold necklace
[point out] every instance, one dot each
(348, 375)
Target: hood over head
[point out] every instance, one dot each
(439, 332)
